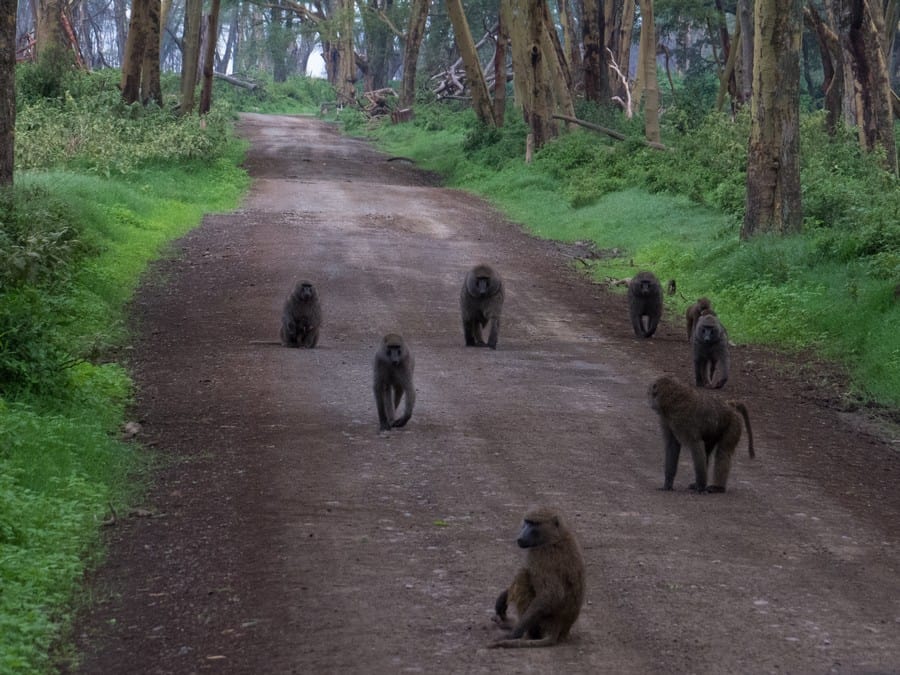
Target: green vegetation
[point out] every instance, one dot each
(298, 95)
(678, 213)
(100, 189)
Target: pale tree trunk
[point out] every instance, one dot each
(531, 74)
(773, 159)
(481, 100)
(619, 27)
(833, 9)
(120, 19)
(555, 58)
(345, 76)
(649, 92)
(832, 67)
(49, 34)
(7, 90)
(862, 34)
(134, 51)
(190, 55)
(418, 14)
(573, 57)
(212, 34)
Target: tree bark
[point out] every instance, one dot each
(190, 55)
(862, 34)
(773, 162)
(573, 58)
(650, 87)
(595, 68)
(151, 88)
(345, 84)
(532, 76)
(500, 71)
(832, 67)
(49, 35)
(212, 32)
(418, 14)
(619, 28)
(481, 100)
(134, 51)
(7, 90)
(745, 63)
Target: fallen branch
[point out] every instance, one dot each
(609, 132)
(252, 86)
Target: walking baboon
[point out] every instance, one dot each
(393, 380)
(710, 351)
(301, 317)
(671, 287)
(705, 424)
(692, 313)
(549, 590)
(480, 302)
(644, 299)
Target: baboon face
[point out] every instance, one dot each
(306, 291)
(537, 529)
(482, 286)
(707, 330)
(394, 353)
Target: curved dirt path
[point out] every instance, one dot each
(289, 536)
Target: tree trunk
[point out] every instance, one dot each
(531, 75)
(7, 90)
(555, 58)
(773, 162)
(345, 84)
(120, 20)
(418, 14)
(832, 67)
(49, 35)
(745, 62)
(596, 70)
(481, 100)
(619, 28)
(212, 33)
(500, 71)
(134, 51)
(862, 33)
(190, 55)
(650, 88)
(151, 89)
(573, 58)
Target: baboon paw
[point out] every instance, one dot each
(699, 490)
(665, 488)
(715, 489)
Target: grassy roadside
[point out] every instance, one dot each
(831, 289)
(96, 204)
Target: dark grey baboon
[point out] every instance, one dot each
(301, 317)
(644, 300)
(549, 590)
(393, 380)
(481, 302)
(710, 350)
(692, 313)
(704, 423)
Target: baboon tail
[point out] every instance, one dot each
(741, 408)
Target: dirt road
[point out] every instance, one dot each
(290, 536)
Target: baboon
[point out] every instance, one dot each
(705, 424)
(710, 350)
(393, 380)
(549, 590)
(301, 317)
(644, 299)
(692, 313)
(671, 287)
(481, 301)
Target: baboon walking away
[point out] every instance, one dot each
(707, 425)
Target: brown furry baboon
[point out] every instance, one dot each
(692, 313)
(671, 287)
(644, 300)
(549, 590)
(393, 380)
(481, 302)
(301, 317)
(710, 351)
(704, 423)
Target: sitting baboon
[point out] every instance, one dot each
(393, 380)
(549, 590)
(692, 313)
(710, 351)
(481, 302)
(301, 317)
(644, 300)
(705, 424)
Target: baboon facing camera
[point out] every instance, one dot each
(481, 302)
(393, 380)
(710, 351)
(548, 591)
(644, 300)
(301, 317)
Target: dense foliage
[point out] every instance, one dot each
(100, 188)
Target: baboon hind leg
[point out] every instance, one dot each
(698, 454)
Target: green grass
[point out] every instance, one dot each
(830, 289)
(62, 399)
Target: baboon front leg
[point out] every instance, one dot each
(495, 333)
(698, 454)
(410, 402)
(385, 402)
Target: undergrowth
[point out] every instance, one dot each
(678, 213)
(100, 189)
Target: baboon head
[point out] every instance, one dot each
(394, 348)
(539, 527)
